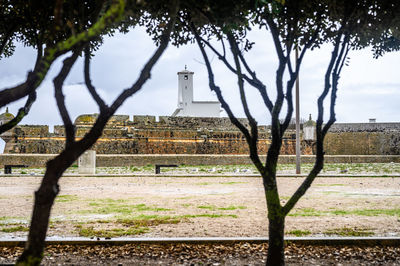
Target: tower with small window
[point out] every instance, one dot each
(185, 88)
(186, 105)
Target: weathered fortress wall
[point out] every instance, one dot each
(363, 139)
(146, 135)
(194, 135)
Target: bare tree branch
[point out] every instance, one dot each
(235, 52)
(254, 81)
(145, 73)
(22, 112)
(60, 99)
(253, 123)
(92, 90)
(320, 135)
(335, 78)
(275, 34)
(249, 138)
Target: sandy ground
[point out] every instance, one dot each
(237, 204)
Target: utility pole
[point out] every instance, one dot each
(298, 152)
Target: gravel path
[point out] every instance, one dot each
(201, 207)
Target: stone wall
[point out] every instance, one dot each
(363, 139)
(194, 135)
(146, 135)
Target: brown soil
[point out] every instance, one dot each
(239, 200)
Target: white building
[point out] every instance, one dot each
(186, 105)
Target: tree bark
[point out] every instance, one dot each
(276, 246)
(44, 199)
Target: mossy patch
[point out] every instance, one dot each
(306, 212)
(19, 228)
(358, 212)
(214, 208)
(66, 198)
(299, 232)
(119, 206)
(90, 231)
(346, 231)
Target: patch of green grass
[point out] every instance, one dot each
(144, 207)
(148, 167)
(136, 225)
(3, 218)
(187, 197)
(208, 215)
(299, 232)
(23, 172)
(359, 212)
(19, 228)
(368, 212)
(112, 232)
(213, 208)
(207, 207)
(74, 166)
(331, 192)
(346, 231)
(149, 220)
(329, 185)
(66, 198)
(285, 197)
(306, 212)
(186, 205)
(119, 206)
(11, 220)
(230, 208)
(203, 184)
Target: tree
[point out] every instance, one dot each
(293, 24)
(53, 28)
(49, 188)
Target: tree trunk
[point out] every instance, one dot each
(44, 199)
(276, 255)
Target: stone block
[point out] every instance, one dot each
(87, 163)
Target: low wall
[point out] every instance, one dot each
(110, 160)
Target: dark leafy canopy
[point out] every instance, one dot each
(47, 22)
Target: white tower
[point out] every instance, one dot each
(185, 88)
(186, 105)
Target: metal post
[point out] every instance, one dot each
(298, 152)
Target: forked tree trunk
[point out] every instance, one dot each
(276, 246)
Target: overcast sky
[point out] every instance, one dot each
(369, 88)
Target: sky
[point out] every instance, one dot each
(368, 88)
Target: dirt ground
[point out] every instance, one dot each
(206, 206)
